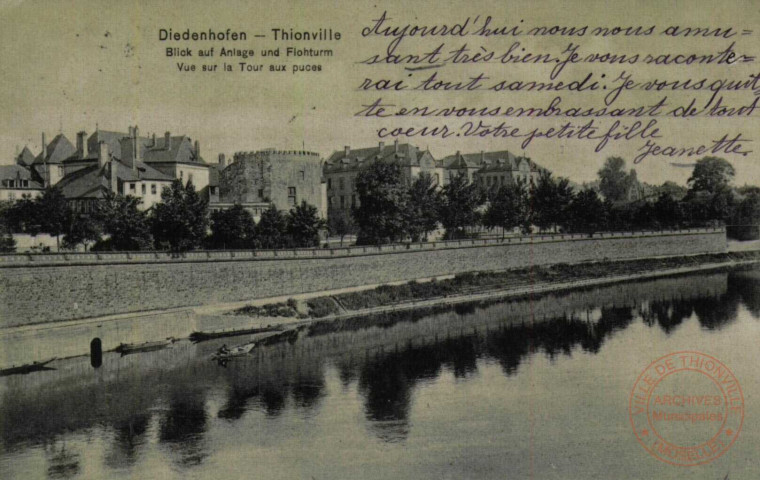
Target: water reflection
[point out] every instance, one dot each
(183, 425)
(177, 397)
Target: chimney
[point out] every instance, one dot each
(381, 146)
(114, 177)
(348, 150)
(44, 147)
(222, 161)
(395, 145)
(102, 154)
(482, 156)
(135, 148)
(167, 141)
(197, 151)
(82, 144)
(153, 144)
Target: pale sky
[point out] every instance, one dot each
(67, 66)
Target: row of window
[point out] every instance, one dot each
(496, 180)
(133, 188)
(341, 183)
(16, 183)
(341, 201)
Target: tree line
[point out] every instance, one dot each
(180, 222)
(392, 209)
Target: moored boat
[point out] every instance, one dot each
(29, 368)
(127, 348)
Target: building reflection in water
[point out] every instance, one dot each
(183, 425)
(386, 360)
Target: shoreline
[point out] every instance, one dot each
(181, 323)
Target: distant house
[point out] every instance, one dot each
(49, 163)
(493, 169)
(343, 166)
(88, 184)
(17, 181)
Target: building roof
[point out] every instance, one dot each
(18, 172)
(490, 162)
(181, 151)
(59, 149)
(25, 158)
(403, 154)
(93, 181)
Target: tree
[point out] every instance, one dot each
(304, 225)
(549, 201)
(460, 201)
(422, 207)
(382, 202)
(82, 231)
(341, 223)
(667, 211)
(181, 219)
(711, 174)
(613, 181)
(586, 212)
(232, 228)
(53, 214)
(128, 227)
(272, 228)
(509, 208)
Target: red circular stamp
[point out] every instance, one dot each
(686, 408)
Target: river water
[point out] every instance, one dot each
(535, 388)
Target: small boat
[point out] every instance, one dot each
(196, 337)
(127, 348)
(29, 368)
(240, 351)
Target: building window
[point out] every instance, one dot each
(189, 178)
(303, 174)
(341, 185)
(181, 174)
(291, 195)
(330, 201)
(26, 183)
(144, 189)
(153, 188)
(437, 179)
(132, 187)
(11, 195)
(261, 193)
(329, 183)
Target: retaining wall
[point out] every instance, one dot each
(38, 288)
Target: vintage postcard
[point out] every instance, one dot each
(379, 240)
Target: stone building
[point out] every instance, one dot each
(90, 181)
(493, 169)
(259, 179)
(20, 179)
(49, 164)
(341, 169)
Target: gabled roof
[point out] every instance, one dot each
(59, 149)
(18, 172)
(181, 151)
(112, 139)
(25, 158)
(94, 181)
(404, 155)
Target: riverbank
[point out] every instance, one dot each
(348, 308)
(480, 286)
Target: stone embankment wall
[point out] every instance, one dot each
(37, 288)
